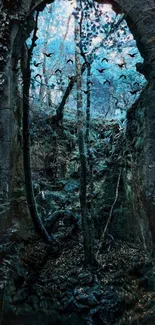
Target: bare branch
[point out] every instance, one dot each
(73, 81)
(110, 215)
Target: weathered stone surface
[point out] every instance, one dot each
(13, 15)
(140, 142)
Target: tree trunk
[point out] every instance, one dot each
(26, 72)
(11, 34)
(46, 86)
(86, 217)
(88, 107)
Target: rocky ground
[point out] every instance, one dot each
(40, 288)
(40, 285)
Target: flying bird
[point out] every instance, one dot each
(86, 91)
(57, 70)
(107, 82)
(101, 70)
(121, 65)
(122, 76)
(104, 59)
(134, 92)
(71, 78)
(89, 83)
(38, 75)
(48, 54)
(69, 60)
(37, 64)
(136, 83)
(132, 55)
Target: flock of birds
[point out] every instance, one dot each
(121, 65)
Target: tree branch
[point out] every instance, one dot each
(34, 37)
(70, 86)
(110, 215)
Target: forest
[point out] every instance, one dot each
(77, 162)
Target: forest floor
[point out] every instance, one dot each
(41, 286)
(38, 288)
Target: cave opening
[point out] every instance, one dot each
(110, 48)
(88, 127)
(112, 87)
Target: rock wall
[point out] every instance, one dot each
(16, 23)
(140, 131)
(140, 157)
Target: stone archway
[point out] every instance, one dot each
(141, 21)
(16, 24)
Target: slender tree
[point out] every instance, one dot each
(88, 106)
(45, 74)
(86, 217)
(26, 74)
